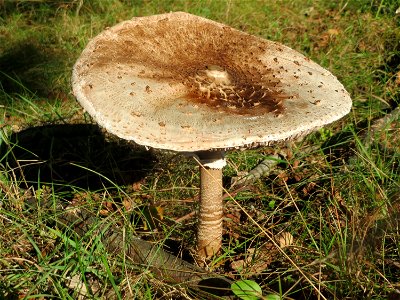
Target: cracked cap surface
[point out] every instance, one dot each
(181, 82)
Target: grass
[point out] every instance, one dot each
(337, 194)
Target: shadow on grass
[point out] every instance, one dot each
(74, 155)
(29, 66)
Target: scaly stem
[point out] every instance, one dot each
(209, 232)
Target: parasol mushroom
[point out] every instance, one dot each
(185, 83)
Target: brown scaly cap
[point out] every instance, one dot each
(181, 82)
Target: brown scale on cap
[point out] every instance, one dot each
(230, 90)
(219, 66)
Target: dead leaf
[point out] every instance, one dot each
(76, 284)
(233, 217)
(256, 260)
(22, 245)
(327, 37)
(137, 186)
(127, 203)
(104, 212)
(307, 190)
(283, 176)
(333, 31)
(296, 164)
(298, 177)
(107, 207)
(238, 265)
(362, 46)
(284, 239)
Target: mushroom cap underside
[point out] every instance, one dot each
(181, 82)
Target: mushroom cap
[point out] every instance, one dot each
(185, 83)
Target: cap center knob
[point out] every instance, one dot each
(218, 75)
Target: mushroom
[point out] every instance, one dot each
(188, 84)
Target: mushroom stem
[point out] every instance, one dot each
(209, 231)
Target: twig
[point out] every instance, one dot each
(185, 217)
(379, 124)
(262, 169)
